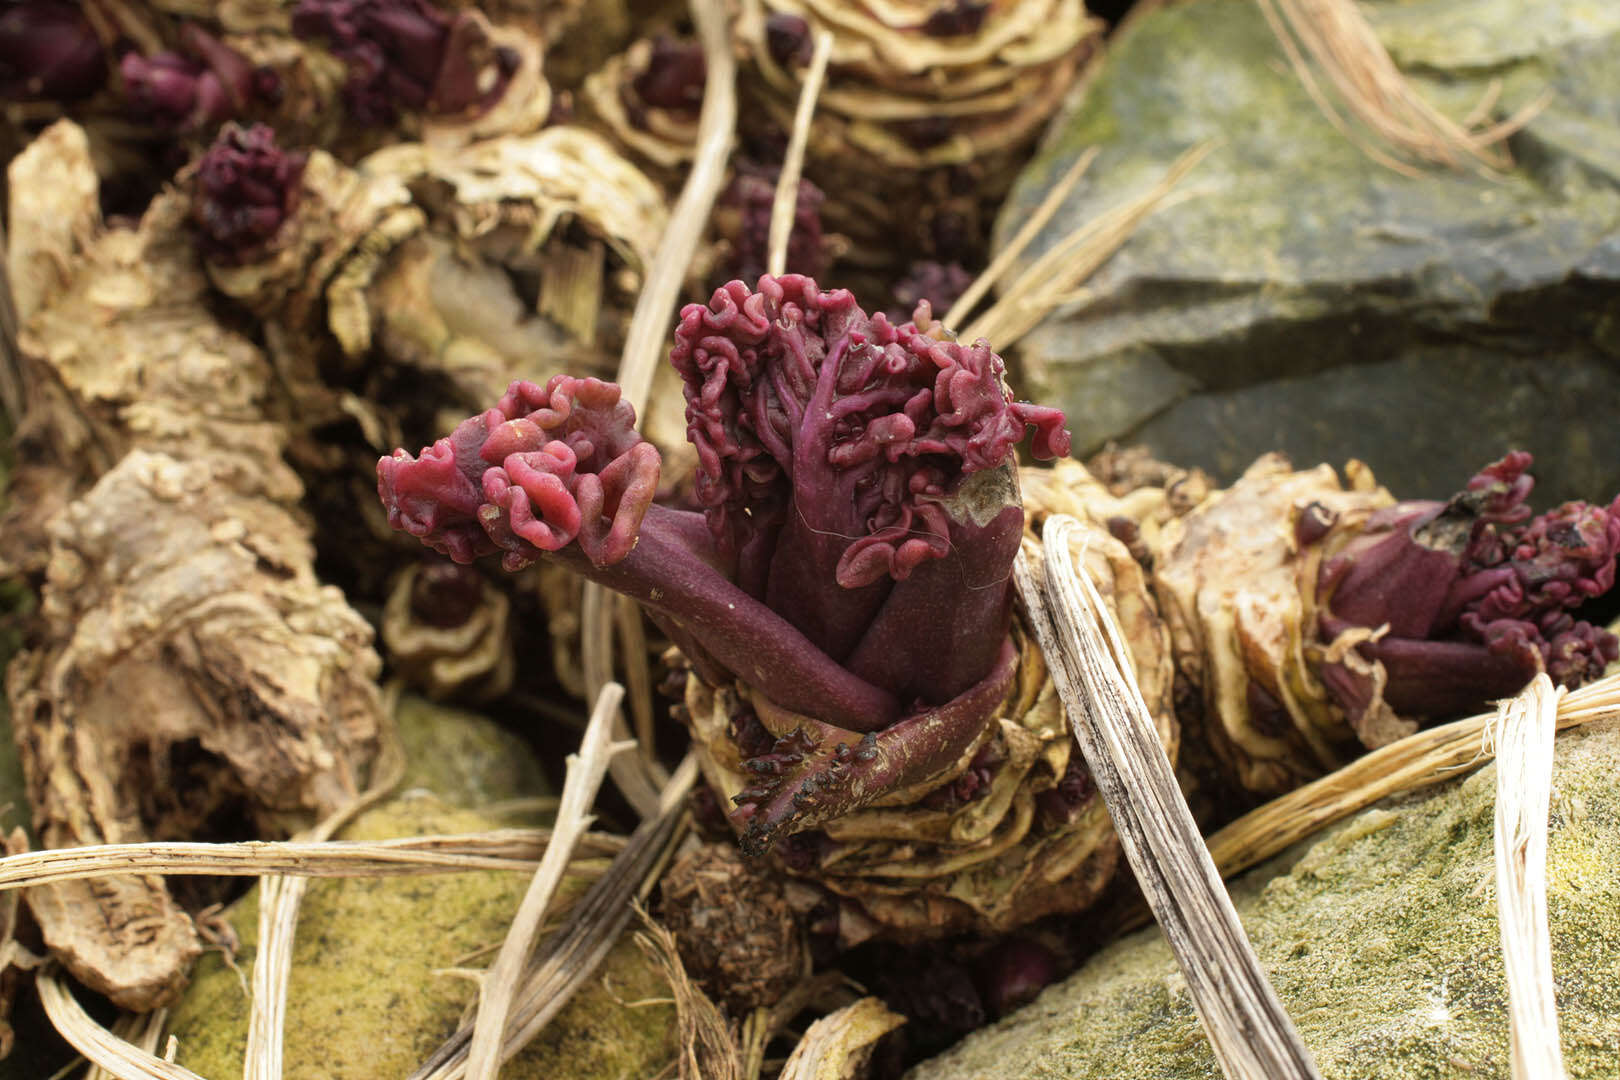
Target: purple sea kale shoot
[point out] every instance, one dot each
(407, 53)
(49, 52)
(852, 560)
(1475, 593)
(247, 187)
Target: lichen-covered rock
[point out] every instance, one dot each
(1382, 941)
(1311, 301)
(372, 994)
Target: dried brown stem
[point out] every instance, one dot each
(1251, 1034)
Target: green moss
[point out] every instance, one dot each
(1382, 941)
(370, 994)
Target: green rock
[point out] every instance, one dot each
(371, 993)
(1308, 299)
(1382, 941)
(466, 759)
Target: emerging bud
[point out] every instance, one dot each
(207, 85)
(49, 52)
(246, 188)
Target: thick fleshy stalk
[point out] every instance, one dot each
(559, 472)
(819, 773)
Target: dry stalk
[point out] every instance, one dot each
(571, 956)
(141, 1030)
(1047, 282)
(717, 123)
(279, 901)
(837, 1046)
(708, 1044)
(501, 849)
(1336, 37)
(1250, 1032)
(786, 201)
(639, 777)
(109, 1052)
(1027, 232)
(586, 770)
(1523, 736)
(1427, 757)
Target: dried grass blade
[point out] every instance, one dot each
(717, 124)
(1336, 37)
(279, 901)
(837, 1046)
(1045, 284)
(573, 953)
(1423, 758)
(586, 770)
(635, 775)
(1523, 734)
(786, 200)
(1026, 233)
(1250, 1032)
(96, 1043)
(708, 1044)
(502, 849)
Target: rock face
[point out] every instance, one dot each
(1382, 941)
(1309, 300)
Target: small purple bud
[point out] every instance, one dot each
(247, 187)
(49, 52)
(674, 75)
(956, 18)
(787, 39)
(1014, 972)
(446, 594)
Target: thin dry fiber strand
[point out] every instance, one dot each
(586, 771)
(708, 1044)
(1523, 735)
(1048, 282)
(1336, 37)
(1426, 757)
(502, 849)
(639, 777)
(109, 1052)
(1250, 1032)
(571, 955)
(279, 901)
(1008, 255)
(141, 1030)
(786, 199)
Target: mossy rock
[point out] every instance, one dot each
(1382, 941)
(466, 759)
(1306, 298)
(372, 993)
